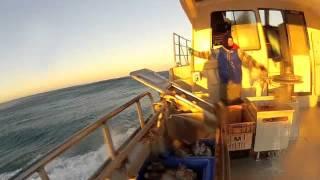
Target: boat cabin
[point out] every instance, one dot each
(284, 36)
(275, 33)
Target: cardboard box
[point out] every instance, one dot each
(239, 132)
(241, 141)
(239, 135)
(234, 114)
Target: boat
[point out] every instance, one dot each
(284, 36)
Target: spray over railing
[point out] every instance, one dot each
(115, 155)
(181, 46)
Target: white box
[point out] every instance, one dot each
(273, 123)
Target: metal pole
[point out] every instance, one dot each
(179, 51)
(187, 52)
(174, 49)
(152, 102)
(151, 98)
(139, 110)
(108, 141)
(43, 174)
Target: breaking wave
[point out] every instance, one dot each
(79, 167)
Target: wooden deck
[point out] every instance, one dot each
(300, 161)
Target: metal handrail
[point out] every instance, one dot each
(39, 165)
(183, 46)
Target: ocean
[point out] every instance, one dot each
(31, 126)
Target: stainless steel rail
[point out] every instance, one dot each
(181, 47)
(39, 165)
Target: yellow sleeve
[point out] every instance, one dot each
(202, 54)
(248, 61)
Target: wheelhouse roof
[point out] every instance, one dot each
(199, 11)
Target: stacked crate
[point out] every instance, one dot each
(239, 130)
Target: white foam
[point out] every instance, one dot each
(77, 167)
(6, 176)
(71, 168)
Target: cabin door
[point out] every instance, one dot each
(287, 39)
(316, 55)
(299, 50)
(276, 39)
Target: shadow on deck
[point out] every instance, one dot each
(300, 161)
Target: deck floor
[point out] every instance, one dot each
(300, 161)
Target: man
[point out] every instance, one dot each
(230, 59)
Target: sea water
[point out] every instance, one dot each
(31, 126)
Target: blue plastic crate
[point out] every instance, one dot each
(208, 142)
(204, 167)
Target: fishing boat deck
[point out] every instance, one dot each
(299, 161)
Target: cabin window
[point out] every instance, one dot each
(296, 26)
(244, 17)
(241, 24)
(275, 24)
(274, 28)
(271, 17)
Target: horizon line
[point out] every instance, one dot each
(67, 87)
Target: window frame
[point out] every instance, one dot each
(264, 34)
(304, 24)
(257, 20)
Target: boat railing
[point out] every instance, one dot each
(181, 47)
(39, 165)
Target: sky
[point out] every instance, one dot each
(52, 44)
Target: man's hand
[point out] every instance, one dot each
(264, 80)
(191, 51)
(264, 73)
